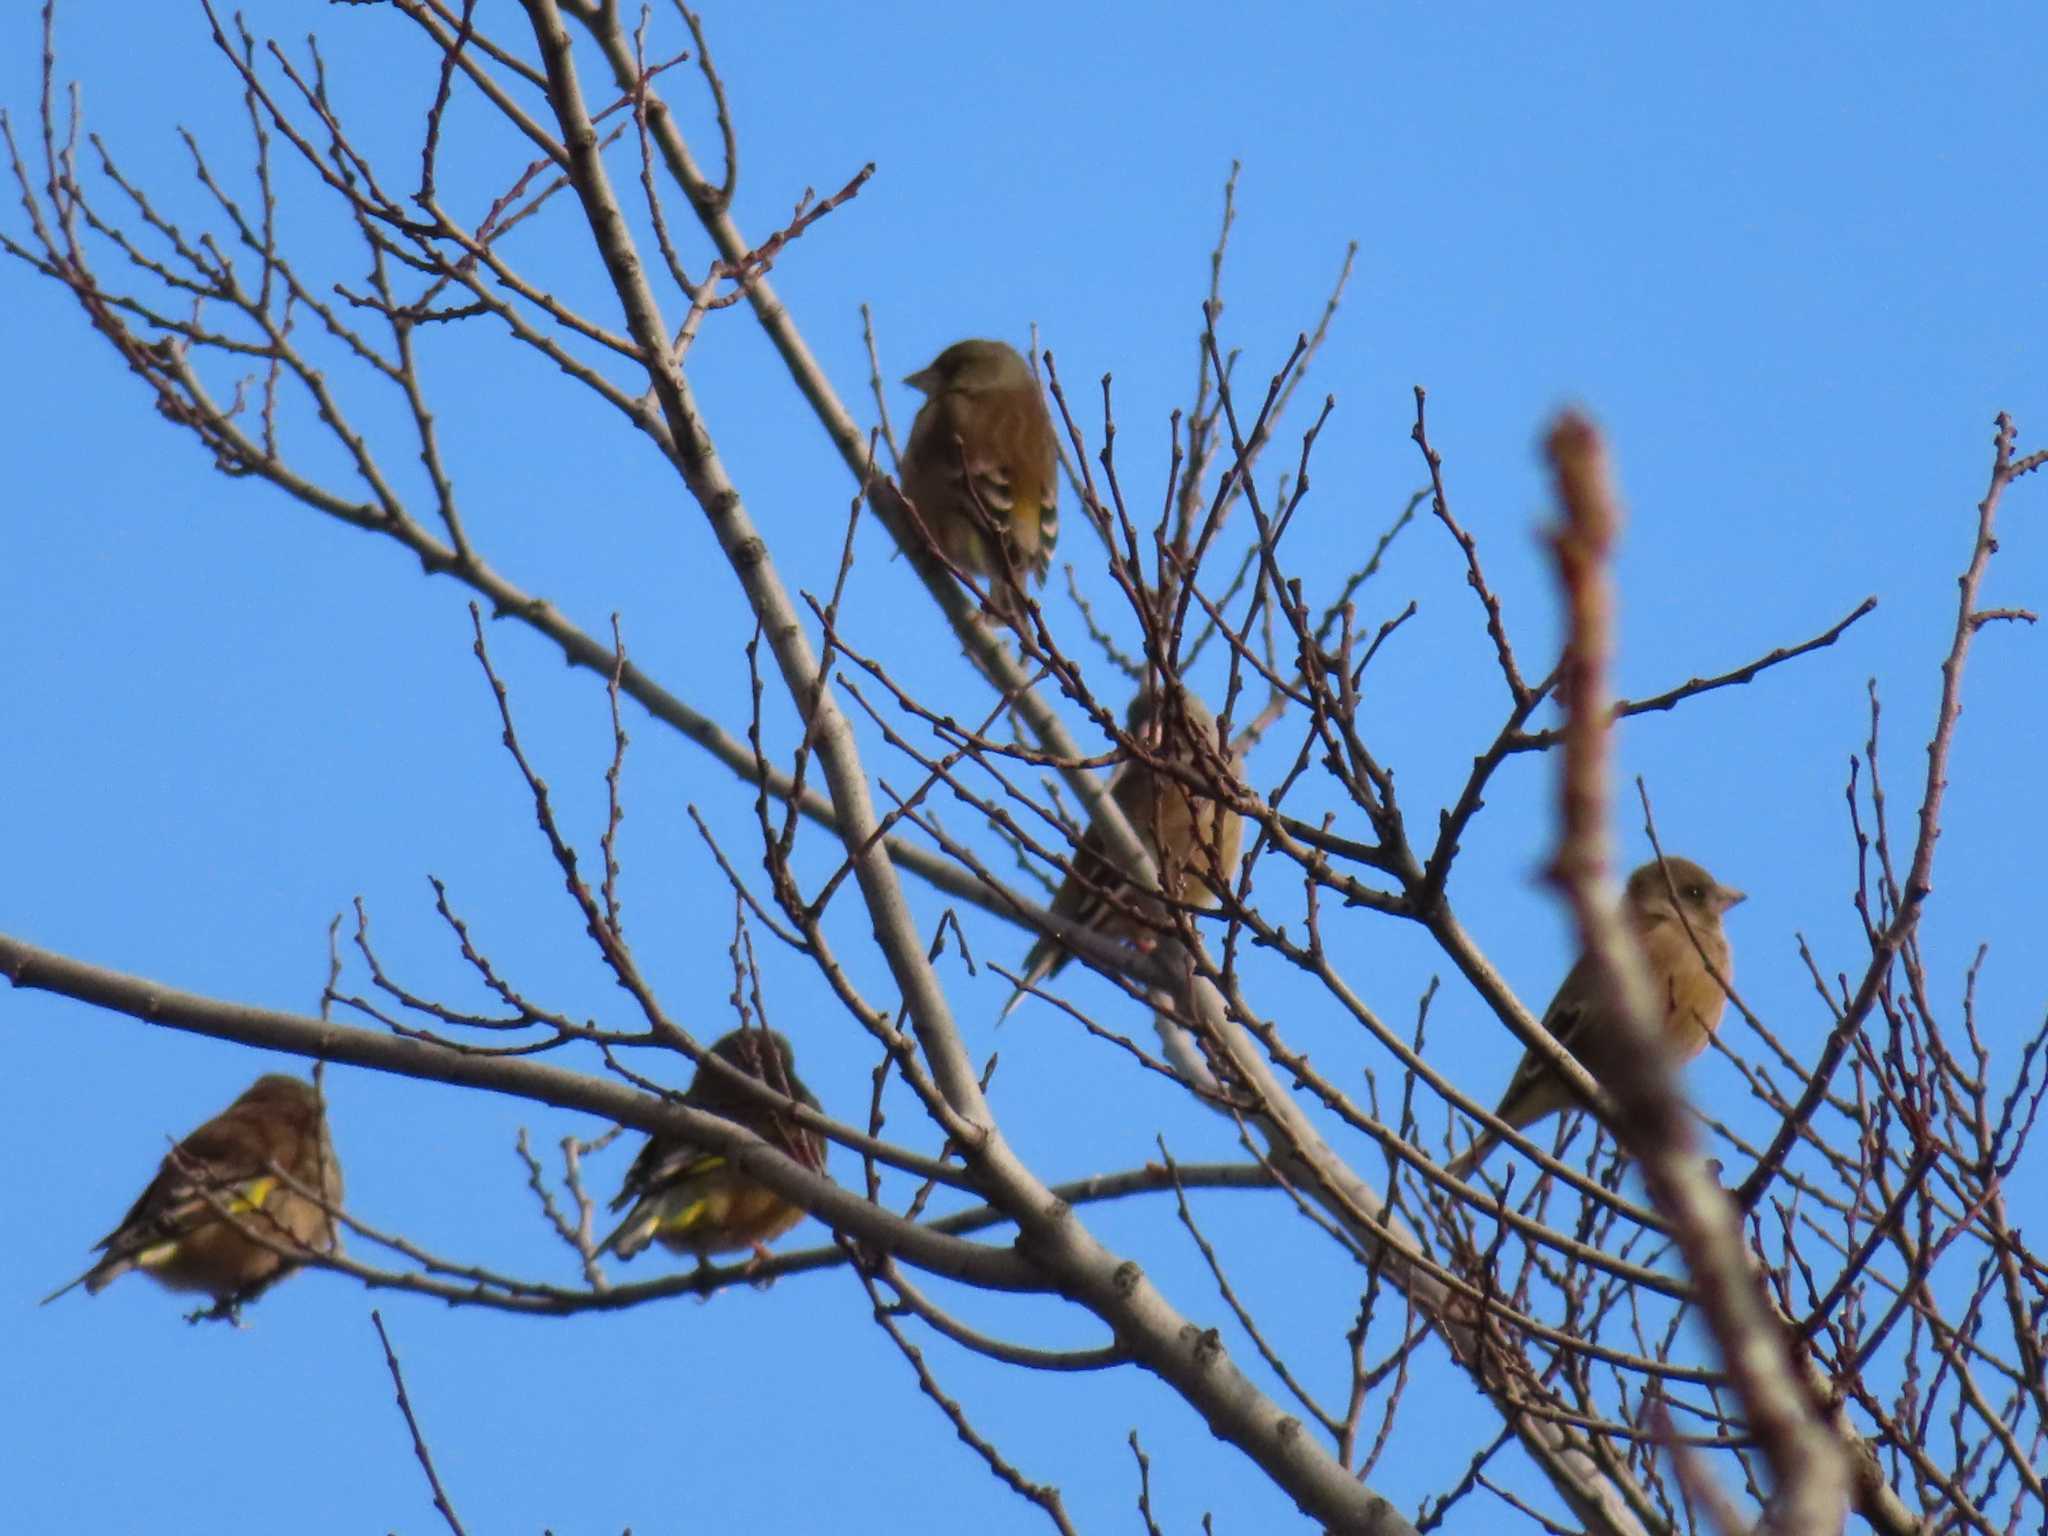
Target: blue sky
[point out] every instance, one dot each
(1791, 264)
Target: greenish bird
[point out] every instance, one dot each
(983, 436)
(1667, 907)
(1192, 839)
(694, 1200)
(217, 1214)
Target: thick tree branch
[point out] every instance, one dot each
(1811, 1497)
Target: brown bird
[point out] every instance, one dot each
(1180, 829)
(983, 434)
(1583, 1023)
(202, 1222)
(694, 1200)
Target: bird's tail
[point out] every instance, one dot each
(1045, 958)
(95, 1280)
(65, 1289)
(635, 1232)
(1467, 1162)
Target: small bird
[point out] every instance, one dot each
(192, 1228)
(983, 433)
(693, 1200)
(1692, 1000)
(1180, 829)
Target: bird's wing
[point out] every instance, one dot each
(674, 1185)
(223, 1163)
(949, 454)
(662, 1161)
(1535, 1089)
(1092, 891)
(663, 1188)
(1014, 469)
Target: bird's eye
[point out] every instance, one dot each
(1695, 893)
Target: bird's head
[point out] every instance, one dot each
(1151, 721)
(1699, 896)
(748, 1050)
(972, 367)
(282, 1090)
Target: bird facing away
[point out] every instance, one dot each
(191, 1229)
(1584, 1025)
(691, 1199)
(983, 433)
(1180, 829)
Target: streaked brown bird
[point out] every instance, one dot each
(1180, 829)
(691, 1199)
(1585, 1025)
(201, 1223)
(983, 433)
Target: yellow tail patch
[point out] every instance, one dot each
(709, 1206)
(162, 1253)
(684, 1220)
(245, 1201)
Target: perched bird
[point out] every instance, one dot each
(693, 1200)
(983, 433)
(200, 1224)
(1180, 829)
(1690, 997)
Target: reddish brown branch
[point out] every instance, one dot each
(412, 1423)
(1807, 1461)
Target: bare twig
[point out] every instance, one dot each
(412, 1424)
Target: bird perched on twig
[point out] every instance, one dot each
(983, 436)
(691, 1199)
(1659, 912)
(1181, 829)
(208, 1220)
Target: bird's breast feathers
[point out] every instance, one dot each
(1693, 1000)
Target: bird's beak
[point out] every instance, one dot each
(1725, 897)
(924, 379)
